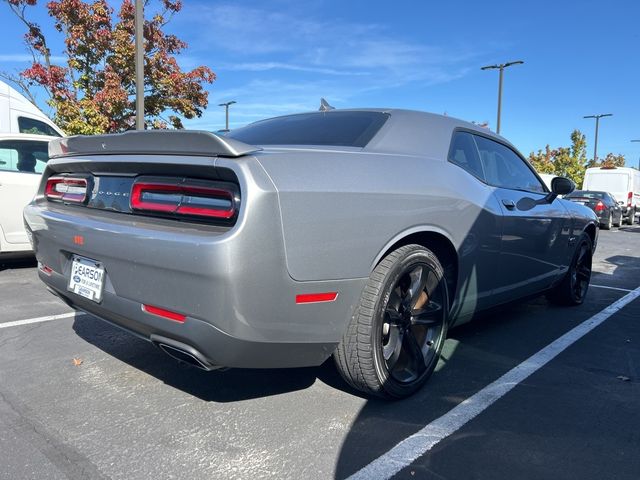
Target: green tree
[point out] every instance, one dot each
(93, 91)
(610, 161)
(563, 161)
(543, 161)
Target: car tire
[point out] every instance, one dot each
(618, 224)
(396, 334)
(607, 225)
(574, 286)
(631, 217)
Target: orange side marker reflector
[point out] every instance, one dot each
(316, 297)
(161, 312)
(78, 239)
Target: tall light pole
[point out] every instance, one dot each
(226, 112)
(595, 145)
(139, 60)
(501, 67)
(638, 158)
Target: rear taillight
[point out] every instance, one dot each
(629, 199)
(66, 189)
(186, 198)
(599, 207)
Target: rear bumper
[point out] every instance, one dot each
(231, 284)
(215, 347)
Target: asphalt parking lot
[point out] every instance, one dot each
(81, 399)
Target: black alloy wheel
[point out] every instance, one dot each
(581, 273)
(573, 288)
(395, 337)
(413, 324)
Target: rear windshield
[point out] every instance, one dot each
(584, 194)
(341, 129)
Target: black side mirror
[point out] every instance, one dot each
(560, 186)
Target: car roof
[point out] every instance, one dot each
(413, 132)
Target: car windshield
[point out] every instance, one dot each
(583, 194)
(341, 129)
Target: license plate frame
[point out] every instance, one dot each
(86, 278)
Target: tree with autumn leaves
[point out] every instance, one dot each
(571, 161)
(93, 91)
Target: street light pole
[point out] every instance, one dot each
(595, 146)
(226, 112)
(139, 61)
(501, 67)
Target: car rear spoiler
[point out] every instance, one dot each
(150, 142)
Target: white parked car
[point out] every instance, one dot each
(22, 160)
(622, 182)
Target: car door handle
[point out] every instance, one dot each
(510, 204)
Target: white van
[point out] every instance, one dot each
(25, 133)
(19, 115)
(621, 182)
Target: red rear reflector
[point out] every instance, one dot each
(599, 207)
(629, 199)
(66, 189)
(45, 269)
(316, 297)
(161, 312)
(183, 199)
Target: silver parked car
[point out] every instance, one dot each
(362, 234)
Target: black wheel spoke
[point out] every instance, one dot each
(392, 316)
(416, 358)
(429, 315)
(418, 278)
(393, 347)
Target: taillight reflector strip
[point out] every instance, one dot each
(66, 189)
(161, 312)
(316, 297)
(183, 199)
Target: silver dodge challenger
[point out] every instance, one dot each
(363, 234)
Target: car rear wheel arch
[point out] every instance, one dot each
(591, 231)
(441, 246)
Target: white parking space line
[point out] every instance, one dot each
(611, 288)
(410, 449)
(48, 318)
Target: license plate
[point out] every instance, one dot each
(86, 279)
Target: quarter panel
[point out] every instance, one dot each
(342, 210)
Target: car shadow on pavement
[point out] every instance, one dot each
(475, 354)
(216, 386)
(9, 263)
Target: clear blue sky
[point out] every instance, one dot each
(275, 57)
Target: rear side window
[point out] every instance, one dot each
(23, 156)
(505, 169)
(340, 129)
(35, 127)
(463, 152)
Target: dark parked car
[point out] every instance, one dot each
(602, 203)
(363, 234)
